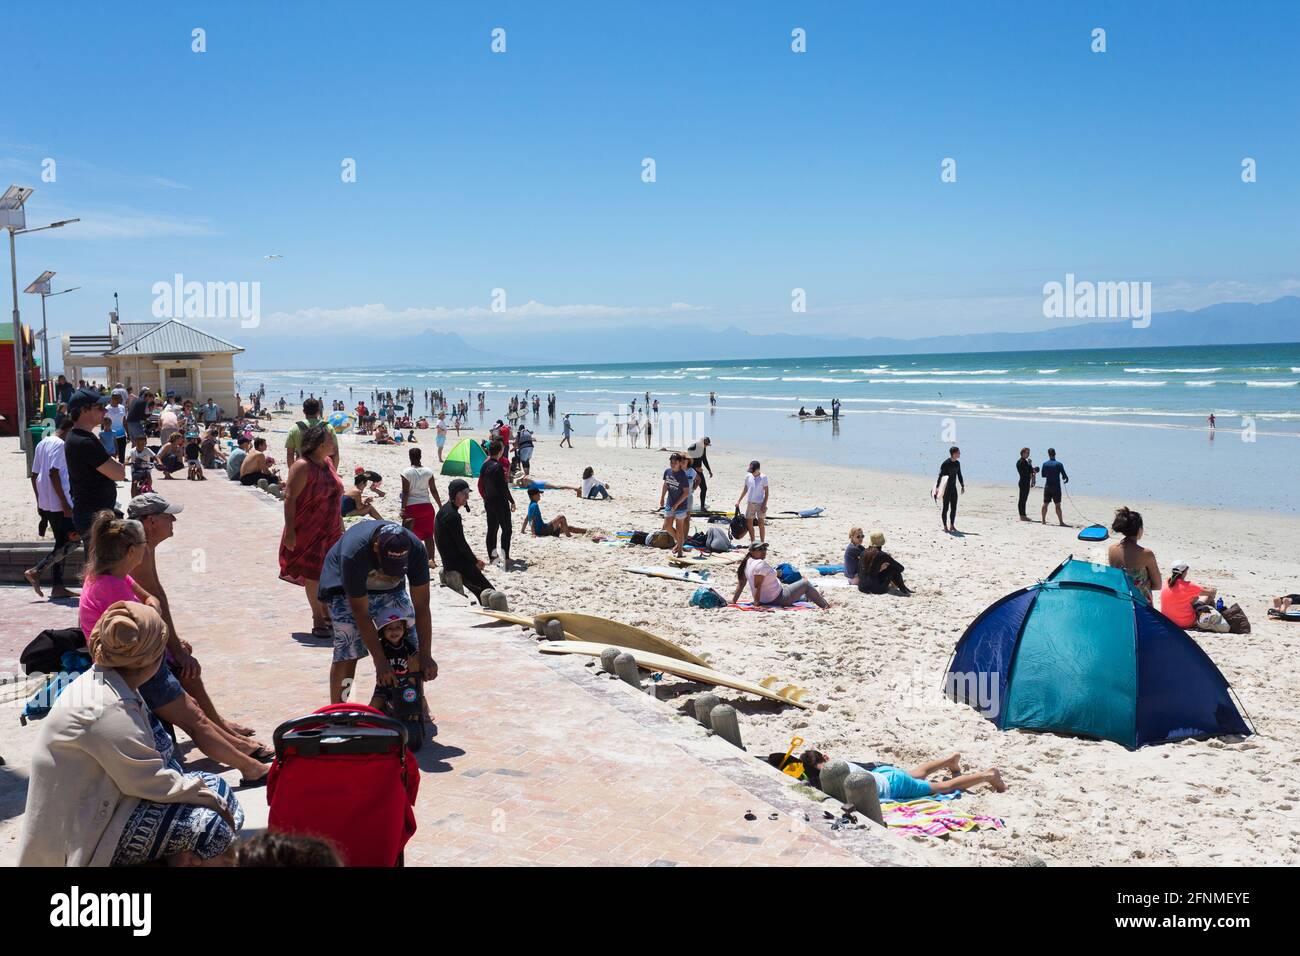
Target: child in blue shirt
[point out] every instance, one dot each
(546, 529)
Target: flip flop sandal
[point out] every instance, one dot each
(322, 630)
(246, 784)
(263, 754)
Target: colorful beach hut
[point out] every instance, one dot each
(465, 459)
(1084, 653)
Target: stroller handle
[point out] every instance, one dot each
(349, 718)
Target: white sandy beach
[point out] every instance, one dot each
(874, 663)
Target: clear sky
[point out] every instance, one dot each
(774, 169)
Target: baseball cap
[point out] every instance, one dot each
(394, 549)
(84, 398)
(151, 503)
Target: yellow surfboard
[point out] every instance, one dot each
(788, 694)
(607, 633)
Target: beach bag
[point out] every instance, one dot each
(697, 540)
(1208, 619)
(739, 526)
(707, 598)
(788, 573)
(715, 539)
(638, 537)
(1237, 620)
(44, 654)
(661, 539)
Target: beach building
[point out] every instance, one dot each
(165, 356)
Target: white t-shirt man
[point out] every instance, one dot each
(50, 453)
(755, 492)
(417, 480)
(117, 413)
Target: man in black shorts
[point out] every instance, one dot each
(1053, 473)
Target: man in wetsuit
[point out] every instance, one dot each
(449, 538)
(1026, 471)
(498, 503)
(699, 455)
(1053, 473)
(950, 469)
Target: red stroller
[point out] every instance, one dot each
(344, 773)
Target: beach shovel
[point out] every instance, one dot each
(795, 769)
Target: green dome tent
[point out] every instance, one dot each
(465, 459)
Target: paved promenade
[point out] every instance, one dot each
(537, 760)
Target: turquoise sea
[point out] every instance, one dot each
(1127, 422)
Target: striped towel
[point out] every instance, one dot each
(932, 818)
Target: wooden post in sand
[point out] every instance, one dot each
(860, 790)
(833, 775)
(726, 724)
(607, 658)
(553, 630)
(704, 704)
(625, 667)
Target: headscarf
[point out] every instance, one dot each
(128, 634)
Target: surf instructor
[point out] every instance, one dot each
(951, 470)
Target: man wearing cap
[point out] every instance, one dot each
(754, 494)
(699, 455)
(137, 415)
(364, 578)
(449, 538)
(195, 714)
(92, 472)
(236, 458)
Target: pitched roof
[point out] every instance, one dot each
(133, 330)
(172, 338)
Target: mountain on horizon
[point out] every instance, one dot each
(1225, 323)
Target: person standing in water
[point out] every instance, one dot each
(1026, 471)
(950, 469)
(1053, 473)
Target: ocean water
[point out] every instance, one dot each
(1130, 422)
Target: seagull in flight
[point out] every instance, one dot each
(273, 256)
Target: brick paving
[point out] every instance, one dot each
(537, 760)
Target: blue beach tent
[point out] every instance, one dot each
(1084, 653)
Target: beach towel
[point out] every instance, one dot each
(751, 606)
(933, 818)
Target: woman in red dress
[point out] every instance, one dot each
(313, 519)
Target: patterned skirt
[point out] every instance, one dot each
(156, 831)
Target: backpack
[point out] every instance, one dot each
(788, 573)
(739, 526)
(45, 654)
(638, 537)
(1238, 623)
(70, 667)
(661, 539)
(707, 598)
(715, 539)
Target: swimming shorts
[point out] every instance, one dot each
(348, 645)
(1051, 495)
(544, 531)
(440, 440)
(679, 513)
(161, 689)
(753, 511)
(897, 785)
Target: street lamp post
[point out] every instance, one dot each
(13, 217)
(41, 286)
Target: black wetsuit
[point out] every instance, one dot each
(952, 470)
(496, 505)
(699, 464)
(1025, 469)
(449, 538)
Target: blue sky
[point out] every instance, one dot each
(775, 170)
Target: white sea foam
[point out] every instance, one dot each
(1178, 371)
(1271, 384)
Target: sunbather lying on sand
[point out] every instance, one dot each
(1285, 606)
(893, 783)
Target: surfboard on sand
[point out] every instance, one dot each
(504, 616)
(769, 688)
(607, 633)
(672, 574)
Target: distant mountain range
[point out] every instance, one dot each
(1228, 323)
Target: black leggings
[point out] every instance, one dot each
(1024, 497)
(950, 506)
(498, 517)
(471, 577)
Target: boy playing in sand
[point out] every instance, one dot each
(546, 529)
(141, 461)
(895, 784)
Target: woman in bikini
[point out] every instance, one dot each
(1138, 562)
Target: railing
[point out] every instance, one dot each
(89, 344)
